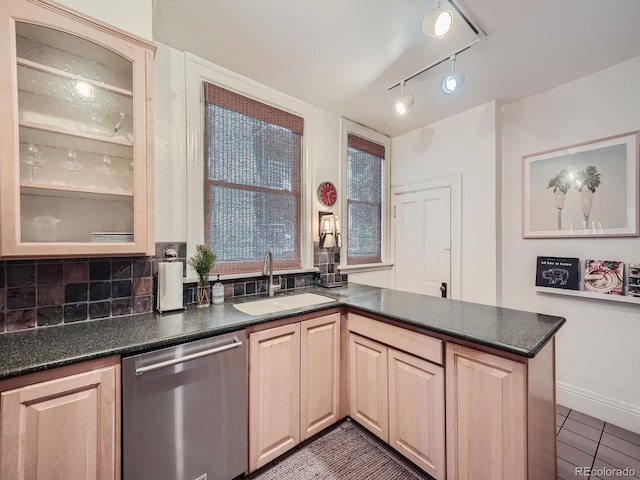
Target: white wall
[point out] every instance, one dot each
(597, 348)
(131, 16)
(170, 146)
(466, 144)
(324, 156)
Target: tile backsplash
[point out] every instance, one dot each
(325, 259)
(38, 293)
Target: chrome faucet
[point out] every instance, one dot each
(267, 269)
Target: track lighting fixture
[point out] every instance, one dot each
(432, 22)
(438, 22)
(403, 102)
(454, 80)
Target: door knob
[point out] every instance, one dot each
(443, 289)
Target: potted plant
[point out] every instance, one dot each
(201, 262)
(560, 184)
(589, 178)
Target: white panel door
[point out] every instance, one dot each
(423, 240)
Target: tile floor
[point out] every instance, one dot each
(589, 448)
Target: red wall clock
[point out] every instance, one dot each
(327, 194)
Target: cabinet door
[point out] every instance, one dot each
(319, 374)
(486, 422)
(64, 429)
(76, 135)
(416, 411)
(368, 385)
(274, 393)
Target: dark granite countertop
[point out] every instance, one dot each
(514, 331)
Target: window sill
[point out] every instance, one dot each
(368, 267)
(237, 276)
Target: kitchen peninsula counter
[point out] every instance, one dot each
(512, 331)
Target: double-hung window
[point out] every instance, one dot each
(366, 184)
(252, 182)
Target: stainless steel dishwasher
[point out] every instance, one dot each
(184, 411)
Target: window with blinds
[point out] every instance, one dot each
(364, 200)
(252, 182)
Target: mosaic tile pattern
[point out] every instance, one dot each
(325, 259)
(251, 286)
(40, 293)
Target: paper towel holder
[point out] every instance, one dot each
(170, 292)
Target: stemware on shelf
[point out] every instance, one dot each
(75, 165)
(35, 159)
(104, 166)
(116, 117)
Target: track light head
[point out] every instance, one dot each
(438, 22)
(403, 102)
(454, 80)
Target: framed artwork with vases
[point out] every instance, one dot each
(585, 190)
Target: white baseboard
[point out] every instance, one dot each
(622, 414)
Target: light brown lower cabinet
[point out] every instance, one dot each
(369, 385)
(416, 411)
(62, 424)
(500, 416)
(274, 393)
(400, 398)
(319, 374)
(294, 383)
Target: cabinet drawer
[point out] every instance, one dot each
(417, 344)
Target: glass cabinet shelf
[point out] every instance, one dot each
(71, 133)
(70, 76)
(27, 188)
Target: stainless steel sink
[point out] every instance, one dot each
(280, 304)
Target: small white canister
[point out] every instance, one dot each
(217, 293)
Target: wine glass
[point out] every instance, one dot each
(104, 166)
(35, 159)
(75, 164)
(116, 117)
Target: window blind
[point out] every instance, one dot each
(364, 200)
(252, 182)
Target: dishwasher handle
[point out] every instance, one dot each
(174, 361)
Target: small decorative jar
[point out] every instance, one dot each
(217, 293)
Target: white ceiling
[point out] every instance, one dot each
(342, 55)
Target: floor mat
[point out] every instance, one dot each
(344, 453)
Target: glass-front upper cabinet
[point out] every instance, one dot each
(76, 143)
